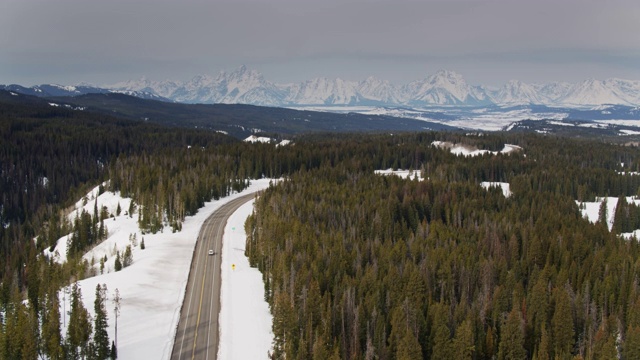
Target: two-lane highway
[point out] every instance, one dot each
(197, 335)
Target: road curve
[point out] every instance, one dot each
(197, 335)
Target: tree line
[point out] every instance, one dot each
(361, 266)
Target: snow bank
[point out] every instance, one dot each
(152, 288)
(245, 320)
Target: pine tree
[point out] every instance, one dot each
(562, 324)
(602, 213)
(512, 337)
(118, 264)
(113, 353)
(440, 333)
(631, 349)
(100, 335)
(543, 348)
(409, 348)
(51, 334)
(79, 329)
(463, 342)
(127, 258)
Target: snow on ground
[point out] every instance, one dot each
(621, 122)
(463, 150)
(262, 139)
(405, 174)
(152, 288)
(506, 191)
(629, 132)
(244, 314)
(632, 235)
(486, 119)
(255, 139)
(116, 226)
(590, 210)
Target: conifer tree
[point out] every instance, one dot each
(440, 333)
(100, 335)
(118, 264)
(631, 347)
(602, 213)
(113, 353)
(51, 333)
(512, 337)
(463, 342)
(79, 328)
(562, 324)
(127, 258)
(542, 352)
(409, 348)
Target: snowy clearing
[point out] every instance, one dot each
(468, 151)
(255, 139)
(405, 174)
(590, 210)
(629, 132)
(152, 288)
(506, 191)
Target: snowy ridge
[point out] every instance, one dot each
(445, 87)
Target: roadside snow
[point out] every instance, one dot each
(152, 288)
(244, 314)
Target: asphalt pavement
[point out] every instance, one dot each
(197, 335)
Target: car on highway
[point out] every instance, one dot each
(211, 252)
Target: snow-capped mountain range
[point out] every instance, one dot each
(444, 88)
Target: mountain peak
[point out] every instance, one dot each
(444, 87)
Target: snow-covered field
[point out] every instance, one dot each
(405, 174)
(152, 288)
(410, 174)
(506, 190)
(591, 210)
(466, 151)
(485, 119)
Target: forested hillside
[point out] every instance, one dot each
(49, 157)
(356, 265)
(362, 266)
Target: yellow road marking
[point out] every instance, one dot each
(193, 353)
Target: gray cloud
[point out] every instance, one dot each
(69, 41)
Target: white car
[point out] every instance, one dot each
(211, 252)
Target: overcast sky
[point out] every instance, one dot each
(488, 42)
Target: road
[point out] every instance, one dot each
(197, 335)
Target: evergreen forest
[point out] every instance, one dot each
(355, 265)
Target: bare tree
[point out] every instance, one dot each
(116, 301)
